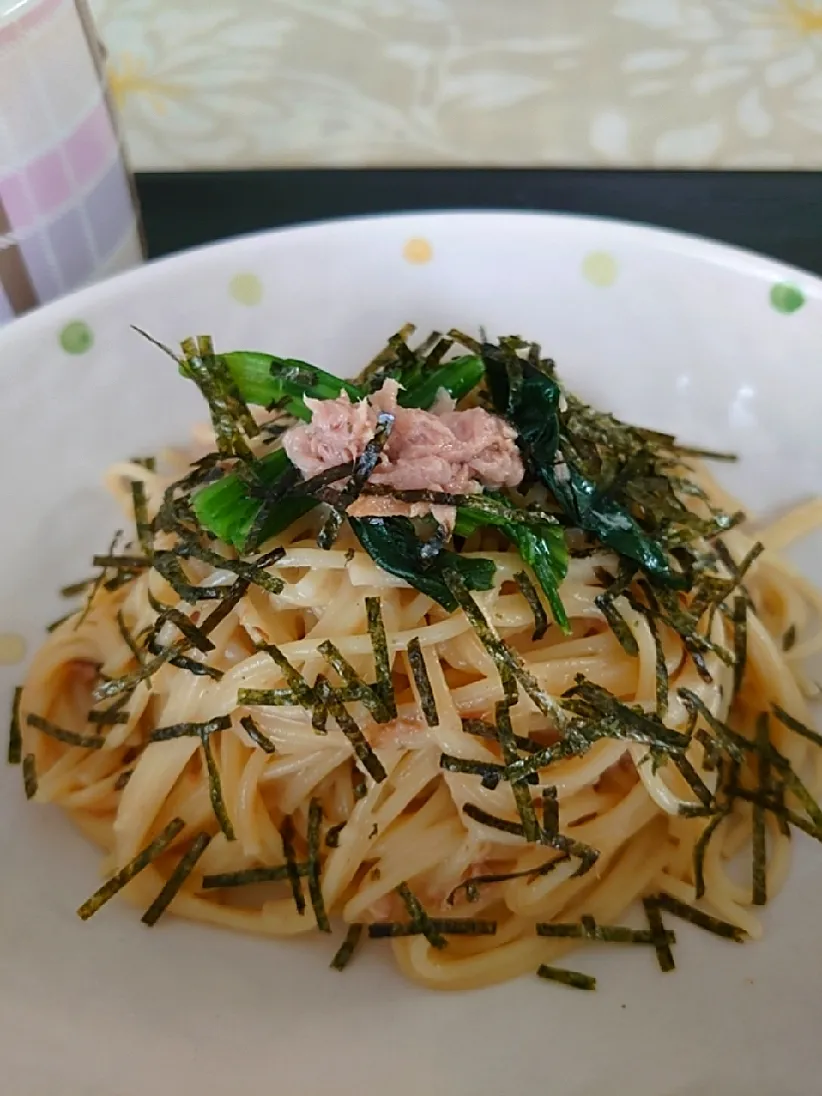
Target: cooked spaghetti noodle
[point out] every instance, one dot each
(277, 785)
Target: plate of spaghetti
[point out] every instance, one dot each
(431, 601)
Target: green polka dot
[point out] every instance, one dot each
(76, 337)
(246, 289)
(786, 298)
(600, 268)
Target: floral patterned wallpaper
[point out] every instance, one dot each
(689, 83)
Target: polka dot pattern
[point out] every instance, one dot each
(600, 269)
(786, 298)
(417, 251)
(12, 648)
(76, 337)
(246, 288)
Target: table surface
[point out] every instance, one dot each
(777, 213)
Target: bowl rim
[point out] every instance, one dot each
(689, 245)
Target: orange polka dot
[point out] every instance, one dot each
(417, 251)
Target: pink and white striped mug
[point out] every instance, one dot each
(68, 213)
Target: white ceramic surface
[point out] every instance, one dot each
(721, 346)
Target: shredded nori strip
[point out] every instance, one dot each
(230, 416)
(664, 955)
(573, 978)
(71, 738)
(108, 717)
(199, 669)
(315, 817)
(305, 695)
(522, 795)
(372, 699)
(712, 752)
(660, 665)
(420, 918)
(219, 613)
(694, 780)
(471, 886)
(491, 772)
(167, 562)
(215, 790)
(664, 604)
(737, 745)
(701, 847)
(262, 526)
(794, 724)
(492, 506)
(740, 623)
(292, 485)
(55, 624)
(531, 595)
(617, 623)
(267, 698)
(134, 867)
(155, 342)
(506, 659)
(550, 812)
(319, 713)
(789, 638)
(758, 842)
(197, 730)
(93, 590)
(173, 653)
(29, 776)
(129, 682)
(363, 467)
(358, 783)
(382, 660)
(733, 744)
(182, 623)
(445, 926)
(141, 523)
(587, 855)
(116, 563)
(292, 868)
(696, 917)
(332, 836)
(776, 806)
(588, 929)
(111, 715)
(122, 780)
(15, 750)
(366, 756)
(481, 729)
(346, 950)
(181, 872)
(75, 588)
(484, 818)
(279, 698)
(416, 661)
(252, 572)
(249, 876)
(256, 735)
(618, 720)
(128, 638)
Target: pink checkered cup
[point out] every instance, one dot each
(68, 213)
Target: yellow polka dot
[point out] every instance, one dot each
(417, 251)
(600, 268)
(246, 289)
(12, 648)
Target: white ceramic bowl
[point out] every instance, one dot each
(720, 346)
